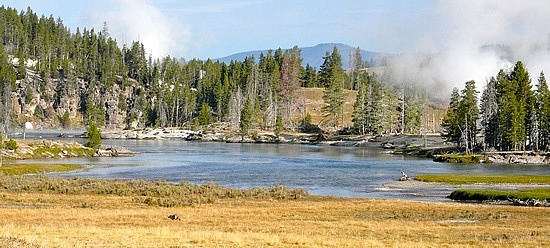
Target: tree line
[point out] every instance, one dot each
(511, 116)
(257, 93)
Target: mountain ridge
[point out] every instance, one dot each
(312, 55)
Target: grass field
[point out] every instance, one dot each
(314, 103)
(31, 217)
(112, 221)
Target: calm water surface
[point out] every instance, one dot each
(322, 170)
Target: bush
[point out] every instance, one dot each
(348, 131)
(11, 145)
(279, 126)
(307, 127)
(459, 158)
(65, 120)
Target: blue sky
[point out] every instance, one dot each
(218, 28)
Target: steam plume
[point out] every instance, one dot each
(472, 40)
(130, 20)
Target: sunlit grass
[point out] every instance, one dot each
(156, 193)
(75, 212)
(460, 158)
(66, 220)
(482, 195)
(489, 179)
(22, 169)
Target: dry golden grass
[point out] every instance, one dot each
(56, 220)
(314, 104)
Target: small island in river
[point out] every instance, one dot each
(42, 148)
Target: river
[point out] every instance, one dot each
(322, 170)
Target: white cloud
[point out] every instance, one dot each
(130, 20)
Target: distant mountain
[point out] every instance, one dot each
(311, 55)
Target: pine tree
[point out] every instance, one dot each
(468, 107)
(7, 83)
(520, 77)
(94, 136)
(489, 114)
(360, 112)
(515, 94)
(309, 77)
(332, 76)
(205, 116)
(542, 104)
(355, 65)
(508, 112)
(451, 120)
(413, 112)
(246, 117)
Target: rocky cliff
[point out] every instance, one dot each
(61, 102)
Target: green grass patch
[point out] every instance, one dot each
(482, 195)
(460, 158)
(54, 151)
(22, 169)
(407, 150)
(476, 178)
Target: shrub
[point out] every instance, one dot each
(11, 145)
(65, 120)
(307, 127)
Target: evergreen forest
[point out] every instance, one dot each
(512, 114)
(59, 78)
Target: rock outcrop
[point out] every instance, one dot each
(44, 102)
(520, 157)
(113, 151)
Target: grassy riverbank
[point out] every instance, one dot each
(22, 169)
(39, 149)
(483, 195)
(477, 178)
(34, 211)
(493, 194)
(461, 158)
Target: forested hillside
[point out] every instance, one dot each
(56, 77)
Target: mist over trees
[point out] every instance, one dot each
(89, 79)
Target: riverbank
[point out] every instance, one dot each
(78, 218)
(25, 169)
(486, 193)
(42, 148)
(389, 142)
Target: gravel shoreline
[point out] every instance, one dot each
(443, 190)
(415, 184)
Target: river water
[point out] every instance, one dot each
(322, 170)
